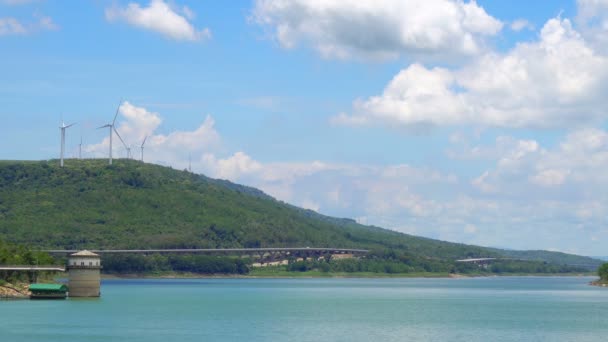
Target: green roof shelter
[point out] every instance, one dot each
(48, 291)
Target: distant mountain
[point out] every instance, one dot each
(89, 204)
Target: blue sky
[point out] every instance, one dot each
(478, 122)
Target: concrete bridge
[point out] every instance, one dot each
(480, 260)
(270, 254)
(31, 268)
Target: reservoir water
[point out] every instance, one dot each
(172, 310)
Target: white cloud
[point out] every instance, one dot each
(521, 24)
(566, 172)
(556, 81)
(376, 191)
(16, 2)
(188, 13)
(12, 26)
(310, 205)
(461, 148)
(550, 177)
(415, 96)
(592, 19)
(379, 29)
(47, 23)
(161, 18)
(135, 123)
(470, 229)
(231, 168)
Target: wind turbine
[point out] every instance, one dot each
(111, 126)
(123, 142)
(142, 148)
(63, 128)
(80, 148)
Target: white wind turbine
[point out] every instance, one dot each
(63, 128)
(111, 126)
(142, 148)
(124, 144)
(80, 148)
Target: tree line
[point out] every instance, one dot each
(12, 254)
(603, 272)
(377, 261)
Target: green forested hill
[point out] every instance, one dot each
(89, 204)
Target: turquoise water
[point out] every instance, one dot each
(479, 309)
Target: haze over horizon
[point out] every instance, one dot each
(474, 122)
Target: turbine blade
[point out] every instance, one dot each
(142, 144)
(117, 109)
(70, 125)
(119, 137)
(104, 126)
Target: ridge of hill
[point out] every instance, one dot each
(89, 204)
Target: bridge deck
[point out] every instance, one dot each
(479, 259)
(31, 268)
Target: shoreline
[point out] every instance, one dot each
(14, 291)
(599, 283)
(307, 275)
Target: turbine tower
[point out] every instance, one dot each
(80, 149)
(111, 126)
(63, 128)
(142, 148)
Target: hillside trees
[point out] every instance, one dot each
(603, 272)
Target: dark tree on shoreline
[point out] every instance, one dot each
(603, 272)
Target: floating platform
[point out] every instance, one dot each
(48, 291)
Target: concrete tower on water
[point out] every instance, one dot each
(84, 277)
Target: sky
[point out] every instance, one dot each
(477, 122)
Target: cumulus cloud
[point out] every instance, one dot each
(161, 18)
(231, 168)
(566, 172)
(338, 188)
(592, 18)
(557, 190)
(373, 29)
(558, 80)
(135, 123)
